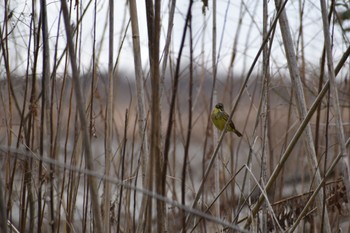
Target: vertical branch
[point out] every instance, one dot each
(153, 26)
(140, 89)
(267, 154)
(46, 52)
(123, 168)
(81, 110)
(189, 125)
(168, 38)
(335, 99)
(300, 41)
(318, 115)
(55, 136)
(109, 121)
(208, 122)
(325, 157)
(265, 110)
(45, 105)
(156, 121)
(214, 98)
(94, 71)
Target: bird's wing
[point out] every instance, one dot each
(222, 115)
(226, 116)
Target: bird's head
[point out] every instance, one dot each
(220, 106)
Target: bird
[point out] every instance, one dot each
(219, 118)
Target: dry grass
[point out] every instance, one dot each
(142, 155)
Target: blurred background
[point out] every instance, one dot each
(148, 83)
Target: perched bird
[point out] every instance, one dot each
(219, 118)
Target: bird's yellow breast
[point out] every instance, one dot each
(218, 119)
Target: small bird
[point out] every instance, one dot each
(219, 118)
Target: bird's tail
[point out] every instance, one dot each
(237, 133)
